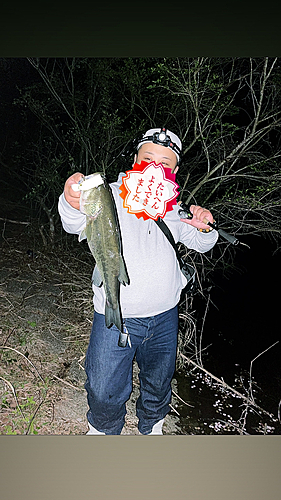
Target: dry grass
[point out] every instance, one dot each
(45, 321)
(46, 315)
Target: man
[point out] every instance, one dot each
(148, 303)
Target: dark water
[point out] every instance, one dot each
(245, 325)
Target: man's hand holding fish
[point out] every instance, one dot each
(71, 196)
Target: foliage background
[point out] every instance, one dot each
(60, 115)
(67, 114)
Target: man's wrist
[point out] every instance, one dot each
(208, 230)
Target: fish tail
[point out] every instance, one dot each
(113, 317)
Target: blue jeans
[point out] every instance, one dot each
(109, 371)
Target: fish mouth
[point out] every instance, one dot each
(91, 181)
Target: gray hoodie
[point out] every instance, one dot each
(156, 280)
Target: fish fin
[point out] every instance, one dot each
(112, 317)
(96, 277)
(82, 235)
(123, 275)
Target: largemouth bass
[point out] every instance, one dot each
(104, 240)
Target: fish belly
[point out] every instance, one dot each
(104, 245)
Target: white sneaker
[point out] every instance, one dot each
(93, 431)
(157, 428)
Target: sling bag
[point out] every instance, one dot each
(188, 271)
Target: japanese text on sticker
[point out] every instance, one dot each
(149, 190)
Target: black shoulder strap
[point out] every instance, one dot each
(160, 223)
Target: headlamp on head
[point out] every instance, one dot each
(163, 139)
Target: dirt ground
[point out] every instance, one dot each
(46, 314)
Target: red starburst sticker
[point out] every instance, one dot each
(149, 190)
